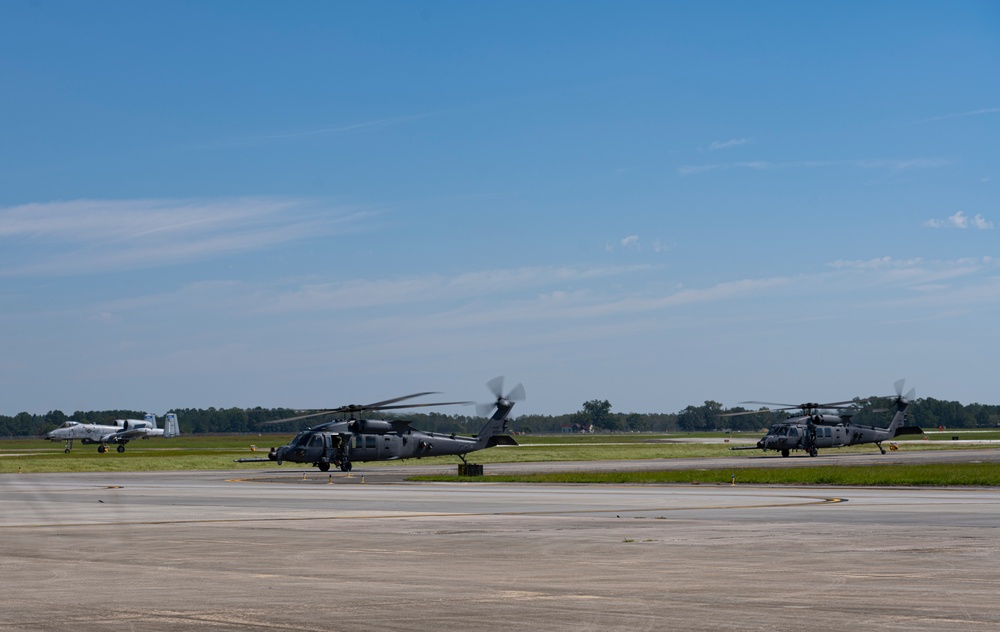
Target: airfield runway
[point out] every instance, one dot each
(264, 549)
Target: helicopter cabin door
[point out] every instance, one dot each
(839, 436)
(365, 447)
(389, 446)
(824, 437)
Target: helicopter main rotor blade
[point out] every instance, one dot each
(748, 412)
(846, 404)
(298, 418)
(806, 406)
(417, 405)
(394, 400)
(770, 404)
(357, 408)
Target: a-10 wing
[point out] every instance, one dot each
(128, 435)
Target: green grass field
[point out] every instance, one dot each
(201, 452)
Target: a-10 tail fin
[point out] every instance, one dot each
(171, 427)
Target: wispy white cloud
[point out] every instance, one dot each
(930, 278)
(979, 222)
(363, 293)
(513, 314)
(905, 164)
(878, 263)
(688, 170)
(894, 166)
(85, 236)
(318, 132)
(553, 293)
(944, 117)
(961, 220)
(632, 242)
(877, 286)
(726, 144)
(622, 170)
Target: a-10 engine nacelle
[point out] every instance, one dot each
(135, 423)
(370, 426)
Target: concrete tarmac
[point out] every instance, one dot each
(235, 550)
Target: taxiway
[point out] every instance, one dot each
(234, 550)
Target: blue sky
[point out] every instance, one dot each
(313, 204)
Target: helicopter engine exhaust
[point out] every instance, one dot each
(370, 426)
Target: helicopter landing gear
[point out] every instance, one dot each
(323, 466)
(345, 466)
(813, 451)
(121, 447)
(881, 449)
(784, 452)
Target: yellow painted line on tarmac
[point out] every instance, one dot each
(802, 502)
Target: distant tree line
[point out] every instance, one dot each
(219, 421)
(594, 416)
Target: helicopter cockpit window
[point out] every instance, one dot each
(793, 432)
(782, 431)
(300, 438)
(316, 441)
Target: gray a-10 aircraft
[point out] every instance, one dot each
(121, 433)
(340, 443)
(813, 430)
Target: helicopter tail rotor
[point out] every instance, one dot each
(902, 401)
(502, 401)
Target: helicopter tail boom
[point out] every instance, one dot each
(901, 403)
(495, 425)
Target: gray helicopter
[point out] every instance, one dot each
(340, 443)
(814, 430)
